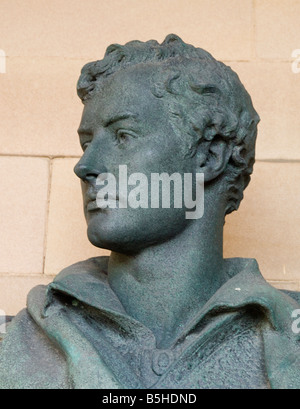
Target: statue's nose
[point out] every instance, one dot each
(85, 172)
(88, 173)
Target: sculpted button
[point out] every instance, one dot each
(161, 361)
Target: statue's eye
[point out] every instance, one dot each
(123, 136)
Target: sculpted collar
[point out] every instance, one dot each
(86, 282)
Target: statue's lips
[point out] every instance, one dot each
(100, 203)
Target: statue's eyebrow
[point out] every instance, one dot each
(119, 117)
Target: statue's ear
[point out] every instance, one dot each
(212, 158)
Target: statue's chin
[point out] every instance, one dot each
(112, 239)
(133, 230)
(100, 237)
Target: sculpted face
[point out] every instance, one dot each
(125, 124)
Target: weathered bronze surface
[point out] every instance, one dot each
(165, 310)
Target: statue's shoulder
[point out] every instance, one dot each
(26, 346)
(28, 360)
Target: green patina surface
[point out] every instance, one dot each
(166, 310)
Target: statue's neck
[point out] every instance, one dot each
(165, 285)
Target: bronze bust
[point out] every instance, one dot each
(165, 310)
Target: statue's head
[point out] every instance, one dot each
(158, 108)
